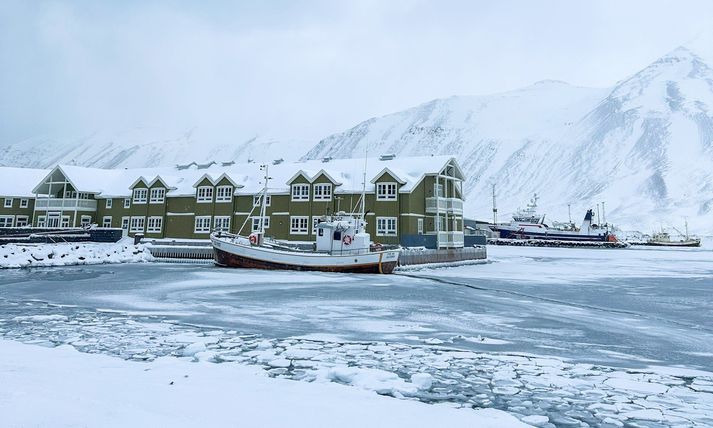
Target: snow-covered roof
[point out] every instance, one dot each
(247, 177)
(20, 181)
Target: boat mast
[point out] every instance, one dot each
(362, 213)
(604, 214)
(263, 167)
(569, 212)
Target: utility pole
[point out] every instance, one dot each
(495, 208)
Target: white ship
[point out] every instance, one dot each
(528, 224)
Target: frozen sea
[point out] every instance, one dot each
(573, 337)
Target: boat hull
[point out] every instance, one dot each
(228, 254)
(687, 244)
(549, 235)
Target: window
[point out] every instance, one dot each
(315, 222)
(85, 220)
(419, 226)
(322, 192)
(158, 195)
(42, 221)
(257, 200)
(222, 223)
(6, 220)
(256, 223)
(137, 224)
(125, 223)
(127, 203)
(224, 194)
(300, 192)
(154, 225)
(140, 196)
(109, 203)
(385, 226)
(24, 203)
(438, 190)
(106, 221)
(22, 221)
(8, 203)
(202, 224)
(299, 225)
(65, 221)
(204, 194)
(70, 194)
(385, 191)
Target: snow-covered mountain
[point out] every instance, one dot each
(144, 147)
(644, 147)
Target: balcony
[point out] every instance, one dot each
(58, 204)
(450, 240)
(444, 205)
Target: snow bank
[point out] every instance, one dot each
(79, 389)
(74, 253)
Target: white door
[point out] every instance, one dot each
(52, 219)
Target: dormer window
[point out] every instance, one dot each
(300, 192)
(224, 194)
(158, 195)
(322, 192)
(386, 191)
(204, 194)
(140, 196)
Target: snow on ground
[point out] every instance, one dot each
(72, 253)
(78, 389)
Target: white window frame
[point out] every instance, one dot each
(320, 194)
(24, 203)
(25, 220)
(384, 193)
(88, 219)
(256, 200)
(154, 224)
(140, 196)
(299, 225)
(315, 222)
(224, 194)
(42, 221)
(125, 223)
(301, 195)
(221, 223)
(106, 219)
(204, 194)
(382, 226)
(137, 224)
(64, 221)
(5, 222)
(8, 203)
(157, 195)
(438, 190)
(255, 223)
(419, 226)
(109, 202)
(127, 202)
(201, 224)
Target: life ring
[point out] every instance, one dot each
(347, 240)
(253, 238)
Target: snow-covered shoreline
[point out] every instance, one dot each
(71, 254)
(79, 389)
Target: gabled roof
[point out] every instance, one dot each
(297, 174)
(139, 180)
(391, 173)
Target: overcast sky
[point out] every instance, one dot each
(303, 70)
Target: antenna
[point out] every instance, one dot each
(569, 212)
(495, 208)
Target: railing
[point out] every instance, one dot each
(46, 204)
(450, 239)
(444, 205)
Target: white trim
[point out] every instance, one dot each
(105, 218)
(128, 223)
(24, 202)
(137, 229)
(150, 229)
(108, 203)
(207, 198)
(221, 217)
(22, 217)
(8, 217)
(302, 198)
(87, 217)
(316, 197)
(180, 214)
(204, 228)
(224, 198)
(386, 196)
(7, 203)
(140, 200)
(299, 230)
(386, 231)
(414, 215)
(257, 198)
(266, 223)
(127, 203)
(157, 199)
(281, 213)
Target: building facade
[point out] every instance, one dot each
(409, 201)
